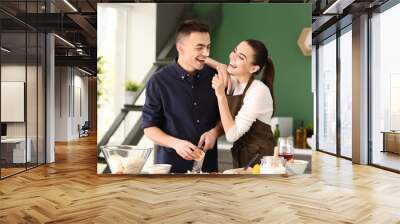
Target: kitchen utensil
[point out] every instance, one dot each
(272, 165)
(126, 159)
(285, 146)
(251, 161)
(296, 167)
(159, 169)
(198, 163)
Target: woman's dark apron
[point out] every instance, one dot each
(258, 139)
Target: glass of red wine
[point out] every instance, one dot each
(286, 150)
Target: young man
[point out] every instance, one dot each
(181, 111)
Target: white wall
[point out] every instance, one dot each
(14, 73)
(79, 117)
(141, 48)
(69, 84)
(33, 127)
(128, 54)
(17, 73)
(61, 103)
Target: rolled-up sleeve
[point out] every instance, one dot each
(152, 110)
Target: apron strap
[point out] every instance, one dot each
(246, 88)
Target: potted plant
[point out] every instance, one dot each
(310, 129)
(101, 87)
(132, 89)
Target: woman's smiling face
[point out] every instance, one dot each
(241, 60)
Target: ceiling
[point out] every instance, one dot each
(332, 15)
(76, 22)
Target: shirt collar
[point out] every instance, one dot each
(181, 73)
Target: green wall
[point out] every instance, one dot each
(278, 26)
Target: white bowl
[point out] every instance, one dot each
(125, 159)
(297, 167)
(159, 169)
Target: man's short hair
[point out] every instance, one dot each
(189, 26)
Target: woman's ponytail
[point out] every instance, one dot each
(267, 78)
(262, 59)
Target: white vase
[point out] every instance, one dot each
(311, 142)
(130, 96)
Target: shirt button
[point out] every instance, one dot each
(198, 76)
(183, 77)
(198, 121)
(192, 86)
(195, 103)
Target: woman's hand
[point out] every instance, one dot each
(218, 85)
(222, 70)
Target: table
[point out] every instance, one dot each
(13, 150)
(391, 141)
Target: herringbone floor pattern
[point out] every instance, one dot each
(70, 191)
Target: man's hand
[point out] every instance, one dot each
(207, 140)
(187, 150)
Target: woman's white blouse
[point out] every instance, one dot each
(257, 105)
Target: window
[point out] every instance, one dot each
(346, 93)
(327, 96)
(22, 76)
(385, 84)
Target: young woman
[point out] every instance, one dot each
(247, 110)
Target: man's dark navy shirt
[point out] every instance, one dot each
(183, 106)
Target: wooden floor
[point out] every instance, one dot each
(70, 191)
(387, 159)
(10, 171)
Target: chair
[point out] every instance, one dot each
(84, 130)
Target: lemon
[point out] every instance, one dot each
(256, 169)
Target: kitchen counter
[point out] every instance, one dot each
(225, 156)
